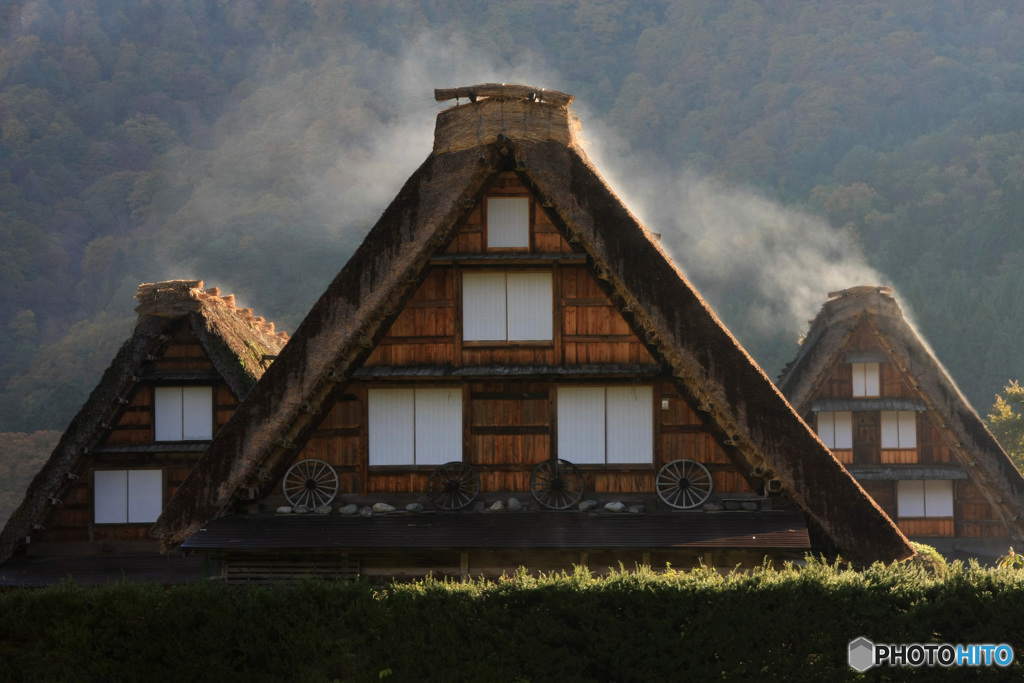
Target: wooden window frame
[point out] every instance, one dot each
(506, 342)
(181, 388)
(924, 484)
(899, 438)
(127, 494)
(605, 464)
(829, 415)
(487, 224)
(866, 371)
(457, 454)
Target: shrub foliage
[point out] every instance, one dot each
(789, 624)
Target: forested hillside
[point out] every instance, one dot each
(782, 149)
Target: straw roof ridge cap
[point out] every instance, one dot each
(503, 91)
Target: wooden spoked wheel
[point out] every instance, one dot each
(556, 484)
(453, 486)
(312, 483)
(683, 484)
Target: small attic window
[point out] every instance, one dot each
(866, 379)
(508, 223)
(183, 413)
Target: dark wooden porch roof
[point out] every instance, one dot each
(465, 530)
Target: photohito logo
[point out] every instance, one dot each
(864, 654)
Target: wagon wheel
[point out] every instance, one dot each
(683, 484)
(453, 486)
(311, 482)
(556, 484)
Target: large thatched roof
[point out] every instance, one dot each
(970, 441)
(235, 340)
(473, 142)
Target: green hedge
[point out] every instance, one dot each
(786, 625)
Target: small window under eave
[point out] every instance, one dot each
(508, 223)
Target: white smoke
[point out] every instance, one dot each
(765, 268)
(334, 142)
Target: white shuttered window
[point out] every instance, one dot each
(598, 425)
(507, 306)
(865, 379)
(925, 498)
(421, 426)
(899, 429)
(508, 222)
(127, 496)
(183, 413)
(835, 429)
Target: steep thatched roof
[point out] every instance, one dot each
(472, 143)
(970, 441)
(234, 339)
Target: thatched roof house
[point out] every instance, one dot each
(894, 417)
(443, 240)
(193, 351)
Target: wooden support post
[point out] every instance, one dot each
(709, 560)
(646, 559)
(585, 559)
(464, 566)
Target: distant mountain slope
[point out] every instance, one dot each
(252, 144)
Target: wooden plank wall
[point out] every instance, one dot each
(72, 519)
(974, 516)
(589, 328)
(508, 429)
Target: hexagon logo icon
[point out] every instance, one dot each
(862, 654)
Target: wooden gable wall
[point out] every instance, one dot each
(510, 426)
(588, 328)
(129, 443)
(973, 515)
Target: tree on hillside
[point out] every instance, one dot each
(1006, 420)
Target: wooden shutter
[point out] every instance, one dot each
(110, 496)
(910, 498)
(197, 413)
(508, 222)
(168, 417)
(629, 420)
(581, 430)
(483, 307)
(391, 426)
(145, 495)
(938, 498)
(438, 425)
(529, 306)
